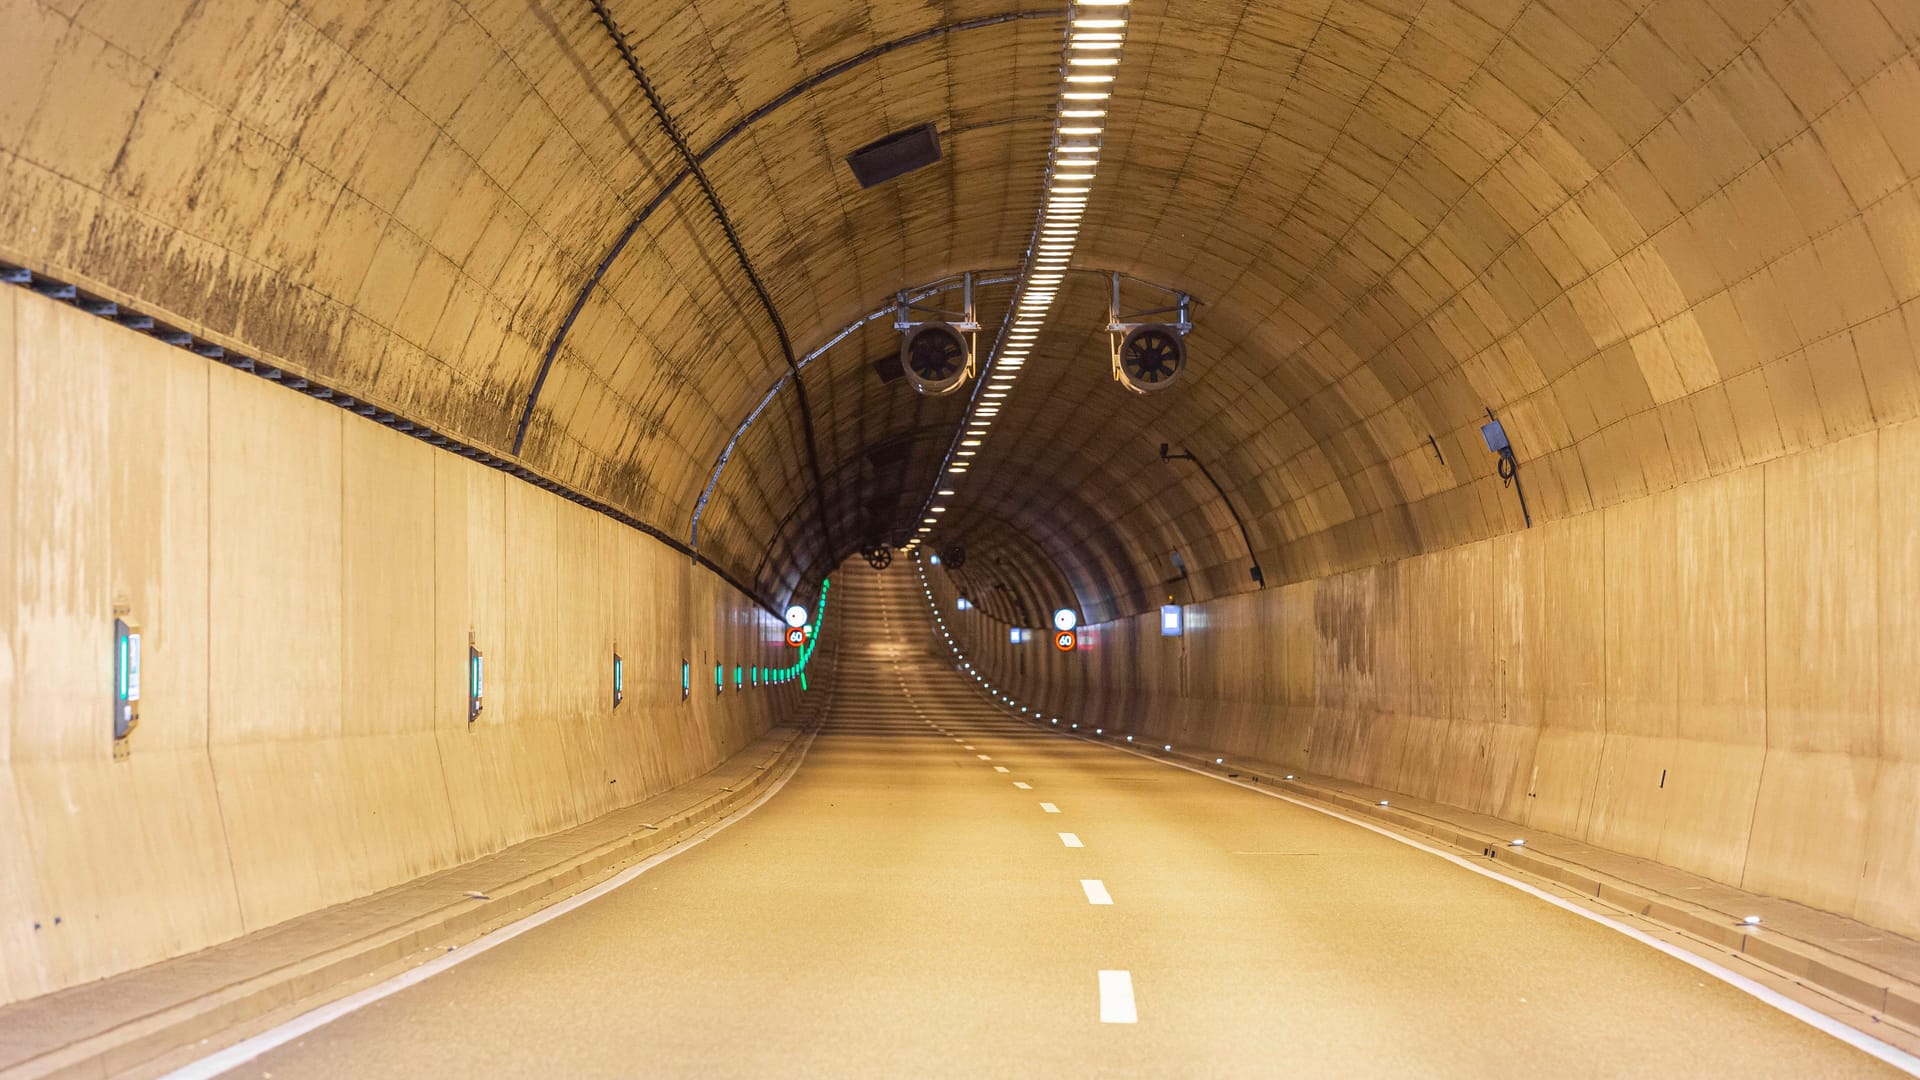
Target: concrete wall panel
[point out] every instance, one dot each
(387, 643)
(1714, 676)
(1720, 720)
(110, 845)
(305, 582)
(1891, 878)
(16, 876)
(275, 705)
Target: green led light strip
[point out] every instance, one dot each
(768, 676)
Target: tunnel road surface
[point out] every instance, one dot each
(942, 891)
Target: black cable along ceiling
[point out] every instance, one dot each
(720, 216)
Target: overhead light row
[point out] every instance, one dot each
(1090, 60)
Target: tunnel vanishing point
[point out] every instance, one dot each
(959, 538)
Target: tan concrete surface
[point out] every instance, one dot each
(306, 583)
(1671, 243)
(1718, 678)
(1663, 239)
(111, 1024)
(901, 908)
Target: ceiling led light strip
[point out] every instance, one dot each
(1090, 59)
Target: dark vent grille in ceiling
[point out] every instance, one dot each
(895, 155)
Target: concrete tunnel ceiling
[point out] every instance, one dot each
(1660, 240)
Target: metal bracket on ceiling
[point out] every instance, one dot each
(914, 297)
(1120, 321)
(907, 303)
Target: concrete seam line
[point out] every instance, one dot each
(1852, 1036)
(249, 1049)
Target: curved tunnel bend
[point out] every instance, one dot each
(417, 416)
(944, 889)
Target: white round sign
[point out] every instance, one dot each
(1065, 619)
(796, 616)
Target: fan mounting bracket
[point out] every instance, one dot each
(1121, 322)
(910, 303)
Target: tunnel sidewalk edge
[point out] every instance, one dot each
(667, 820)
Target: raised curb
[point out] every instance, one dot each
(138, 1042)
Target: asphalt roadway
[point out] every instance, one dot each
(942, 891)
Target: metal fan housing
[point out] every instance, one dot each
(1151, 358)
(935, 357)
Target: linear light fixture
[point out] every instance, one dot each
(1090, 56)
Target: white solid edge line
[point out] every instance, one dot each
(1070, 840)
(247, 1050)
(1049, 808)
(1116, 998)
(1846, 1033)
(1096, 891)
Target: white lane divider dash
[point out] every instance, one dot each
(1096, 891)
(966, 746)
(1116, 998)
(1049, 808)
(1071, 840)
(983, 757)
(999, 768)
(1023, 785)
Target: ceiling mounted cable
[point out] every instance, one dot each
(719, 211)
(1090, 59)
(793, 93)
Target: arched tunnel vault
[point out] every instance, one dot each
(1013, 579)
(373, 360)
(1660, 240)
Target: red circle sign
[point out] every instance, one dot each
(797, 636)
(1065, 641)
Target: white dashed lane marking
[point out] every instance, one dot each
(1023, 785)
(999, 768)
(1096, 891)
(1049, 808)
(983, 757)
(1116, 998)
(1071, 840)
